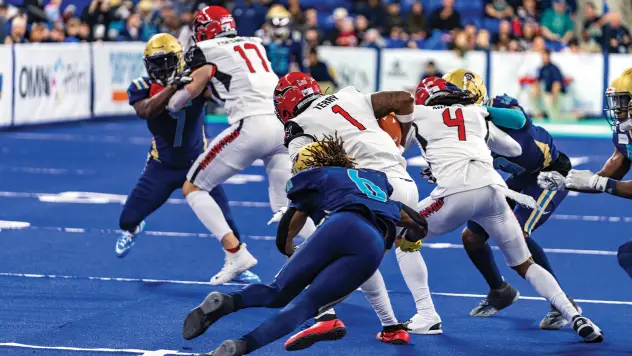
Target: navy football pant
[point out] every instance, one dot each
(153, 189)
(624, 256)
(341, 255)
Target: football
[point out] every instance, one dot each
(390, 124)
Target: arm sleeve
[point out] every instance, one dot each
(501, 143)
(508, 118)
(283, 229)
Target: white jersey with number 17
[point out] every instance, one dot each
(453, 140)
(244, 81)
(349, 114)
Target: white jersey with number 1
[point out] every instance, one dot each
(348, 113)
(453, 140)
(244, 81)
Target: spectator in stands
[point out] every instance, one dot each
(53, 11)
(528, 12)
(72, 30)
(557, 24)
(3, 20)
(445, 18)
(375, 13)
(499, 9)
(150, 19)
(504, 36)
(548, 89)
(38, 33)
(347, 36)
(514, 46)
(593, 24)
(18, 30)
(528, 34)
(249, 16)
(69, 12)
(57, 33)
(538, 44)
(312, 38)
(483, 40)
(361, 25)
(132, 30)
(470, 32)
(394, 16)
(170, 24)
(339, 16)
(320, 72)
(617, 36)
(84, 32)
(460, 44)
(417, 26)
(372, 39)
(294, 7)
(98, 17)
(431, 71)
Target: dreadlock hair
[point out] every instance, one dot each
(329, 153)
(464, 97)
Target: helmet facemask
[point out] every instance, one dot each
(619, 105)
(163, 67)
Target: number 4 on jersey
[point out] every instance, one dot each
(458, 122)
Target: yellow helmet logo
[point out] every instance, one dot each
(468, 80)
(303, 159)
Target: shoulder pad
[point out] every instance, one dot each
(138, 89)
(292, 131)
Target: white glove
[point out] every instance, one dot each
(551, 180)
(586, 180)
(277, 216)
(426, 174)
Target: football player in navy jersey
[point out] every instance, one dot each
(177, 140)
(358, 225)
(538, 153)
(608, 179)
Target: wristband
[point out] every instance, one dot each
(611, 186)
(404, 119)
(598, 183)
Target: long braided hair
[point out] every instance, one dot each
(463, 97)
(330, 152)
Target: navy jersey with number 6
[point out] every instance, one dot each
(178, 138)
(326, 190)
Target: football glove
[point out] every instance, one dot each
(195, 58)
(585, 180)
(551, 180)
(277, 216)
(426, 174)
(181, 79)
(408, 246)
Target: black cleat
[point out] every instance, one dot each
(496, 300)
(587, 330)
(214, 306)
(229, 348)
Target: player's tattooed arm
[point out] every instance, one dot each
(401, 103)
(200, 78)
(152, 107)
(291, 223)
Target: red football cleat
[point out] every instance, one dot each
(322, 331)
(397, 337)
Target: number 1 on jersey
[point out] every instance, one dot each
(245, 57)
(458, 121)
(338, 110)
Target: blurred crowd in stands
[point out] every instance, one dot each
(462, 25)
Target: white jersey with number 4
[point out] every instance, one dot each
(453, 140)
(244, 81)
(348, 113)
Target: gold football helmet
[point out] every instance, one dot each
(163, 58)
(303, 159)
(619, 98)
(468, 80)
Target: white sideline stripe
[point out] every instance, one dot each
(99, 349)
(21, 225)
(171, 281)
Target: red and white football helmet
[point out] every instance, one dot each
(211, 22)
(433, 87)
(293, 93)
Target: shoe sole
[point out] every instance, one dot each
(496, 310)
(309, 340)
(434, 330)
(237, 273)
(194, 323)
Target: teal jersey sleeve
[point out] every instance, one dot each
(138, 90)
(507, 118)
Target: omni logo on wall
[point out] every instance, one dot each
(57, 80)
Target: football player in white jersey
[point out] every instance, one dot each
(237, 72)
(308, 116)
(452, 132)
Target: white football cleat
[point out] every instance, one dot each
(234, 265)
(419, 325)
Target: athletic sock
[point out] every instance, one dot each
(374, 290)
(209, 213)
(546, 286)
(483, 259)
(539, 256)
(234, 249)
(327, 315)
(415, 272)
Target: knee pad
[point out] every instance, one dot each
(472, 241)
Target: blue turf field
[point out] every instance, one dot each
(56, 292)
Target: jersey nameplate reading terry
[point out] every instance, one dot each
(326, 102)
